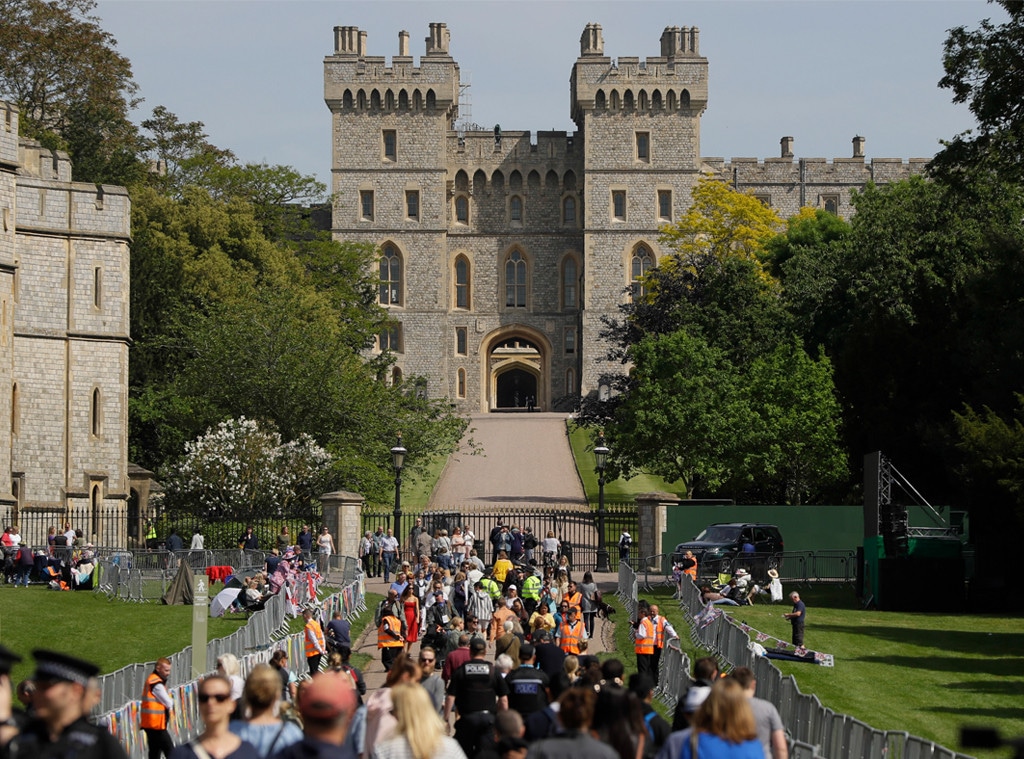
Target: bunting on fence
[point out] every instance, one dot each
(763, 644)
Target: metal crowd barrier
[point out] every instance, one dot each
(815, 731)
(253, 644)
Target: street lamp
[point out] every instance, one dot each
(397, 461)
(601, 461)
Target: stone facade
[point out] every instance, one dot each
(502, 250)
(64, 284)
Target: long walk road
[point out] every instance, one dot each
(520, 458)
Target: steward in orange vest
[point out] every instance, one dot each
(644, 647)
(574, 598)
(155, 708)
(315, 645)
(390, 640)
(570, 633)
(689, 565)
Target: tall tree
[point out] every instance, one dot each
(74, 89)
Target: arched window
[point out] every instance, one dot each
(462, 181)
(615, 100)
(656, 100)
(515, 181)
(600, 103)
(94, 502)
(515, 209)
(643, 262)
(461, 390)
(515, 280)
(96, 413)
(417, 100)
(627, 100)
(551, 181)
(569, 210)
(462, 209)
(361, 100)
(15, 410)
(479, 182)
(375, 100)
(431, 100)
(671, 104)
(462, 282)
(569, 279)
(390, 277)
(396, 376)
(389, 100)
(642, 101)
(684, 99)
(346, 100)
(570, 381)
(403, 100)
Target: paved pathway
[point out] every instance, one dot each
(519, 457)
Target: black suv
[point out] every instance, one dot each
(718, 545)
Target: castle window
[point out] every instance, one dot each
(665, 205)
(346, 100)
(570, 381)
(461, 341)
(627, 100)
(643, 146)
(375, 100)
(390, 339)
(390, 277)
(462, 209)
(570, 340)
(569, 211)
(390, 145)
(641, 264)
(515, 280)
(396, 376)
(830, 203)
(412, 204)
(619, 205)
(656, 101)
(96, 414)
(97, 287)
(569, 277)
(15, 410)
(600, 102)
(461, 390)
(515, 209)
(403, 100)
(765, 200)
(366, 205)
(462, 282)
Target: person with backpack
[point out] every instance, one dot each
(658, 728)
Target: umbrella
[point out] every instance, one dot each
(222, 601)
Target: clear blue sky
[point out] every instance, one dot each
(820, 71)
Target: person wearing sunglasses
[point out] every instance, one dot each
(430, 679)
(216, 707)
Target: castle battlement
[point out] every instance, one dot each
(518, 147)
(8, 134)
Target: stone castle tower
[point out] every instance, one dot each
(64, 335)
(500, 252)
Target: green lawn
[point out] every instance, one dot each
(928, 674)
(614, 490)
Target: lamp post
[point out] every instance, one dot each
(398, 460)
(601, 461)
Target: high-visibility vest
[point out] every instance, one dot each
(569, 637)
(492, 588)
(154, 714)
(692, 571)
(645, 637)
(388, 625)
(314, 635)
(575, 599)
(531, 588)
(659, 631)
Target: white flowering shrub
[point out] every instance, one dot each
(241, 470)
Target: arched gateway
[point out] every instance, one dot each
(517, 370)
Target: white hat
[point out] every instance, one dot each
(773, 573)
(741, 572)
(511, 587)
(695, 696)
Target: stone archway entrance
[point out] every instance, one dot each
(517, 371)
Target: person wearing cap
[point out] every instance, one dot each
(663, 632)
(531, 592)
(60, 728)
(315, 644)
(529, 689)
(570, 632)
(156, 709)
(478, 691)
(511, 594)
(326, 703)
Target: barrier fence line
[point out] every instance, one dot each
(815, 731)
(253, 644)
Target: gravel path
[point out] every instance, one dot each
(523, 458)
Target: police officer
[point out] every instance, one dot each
(61, 701)
(528, 687)
(531, 592)
(478, 691)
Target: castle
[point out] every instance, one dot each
(64, 335)
(500, 253)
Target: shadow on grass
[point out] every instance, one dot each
(994, 713)
(1012, 687)
(987, 666)
(979, 642)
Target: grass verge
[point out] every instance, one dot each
(614, 490)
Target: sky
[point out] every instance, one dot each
(820, 71)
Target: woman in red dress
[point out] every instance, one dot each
(411, 607)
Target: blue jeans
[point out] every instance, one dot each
(389, 559)
(23, 573)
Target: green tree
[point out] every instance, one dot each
(74, 90)
(985, 69)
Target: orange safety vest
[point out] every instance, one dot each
(154, 714)
(692, 571)
(388, 625)
(659, 632)
(575, 599)
(314, 635)
(569, 637)
(645, 637)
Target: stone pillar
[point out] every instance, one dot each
(651, 520)
(342, 515)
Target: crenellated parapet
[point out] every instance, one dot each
(355, 81)
(675, 82)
